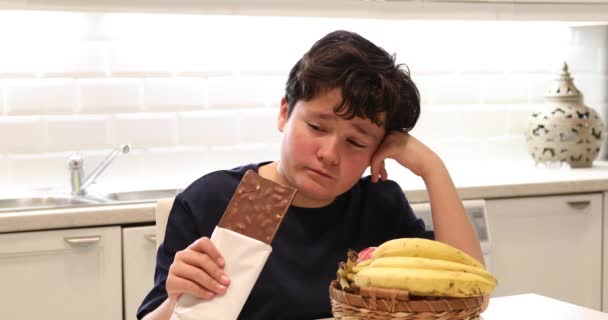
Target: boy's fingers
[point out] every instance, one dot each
(383, 173)
(204, 245)
(191, 288)
(208, 265)
(372, 170)
(200, 277)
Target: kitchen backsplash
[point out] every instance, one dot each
(196, 93)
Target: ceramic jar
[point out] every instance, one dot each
(566, 130)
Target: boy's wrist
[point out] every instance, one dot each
(432, 167)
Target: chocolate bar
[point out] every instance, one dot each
(257, 207)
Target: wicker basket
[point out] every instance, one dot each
(385, 304)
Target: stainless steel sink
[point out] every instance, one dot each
(144, 195)
(52, 201)
(43, 202)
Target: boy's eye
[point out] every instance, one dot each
(355, 143)
(313, 126)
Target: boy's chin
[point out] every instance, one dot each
(316, 193)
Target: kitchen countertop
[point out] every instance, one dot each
(483, 180)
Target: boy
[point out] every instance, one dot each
(347, 107)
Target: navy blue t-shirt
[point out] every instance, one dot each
(309, 244)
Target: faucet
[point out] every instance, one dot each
(76, 167)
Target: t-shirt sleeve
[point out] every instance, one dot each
(179, 234)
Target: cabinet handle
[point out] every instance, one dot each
(151, 237)
(579, 204)
(82, 240)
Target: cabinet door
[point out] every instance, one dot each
(63, 274)
(548, 245)
(139, 256)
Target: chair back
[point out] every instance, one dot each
(163, 208)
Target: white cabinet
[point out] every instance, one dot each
(139, 258)
(548, 245)
(565, 10)
(63, 274)
(605, 257)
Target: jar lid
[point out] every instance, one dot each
(563, 88)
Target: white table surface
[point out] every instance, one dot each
(532, 306)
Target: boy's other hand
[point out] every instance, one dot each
(197, 270)
(406, 150)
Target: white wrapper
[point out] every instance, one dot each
(245, 257)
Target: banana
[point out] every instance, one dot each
(416, 247)
(361, 265)
(425, 282)
(430, 264)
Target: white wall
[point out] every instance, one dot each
(194, 93)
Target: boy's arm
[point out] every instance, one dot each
(450, 221)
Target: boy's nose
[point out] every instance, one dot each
(328, 152)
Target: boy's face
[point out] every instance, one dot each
(322, 154)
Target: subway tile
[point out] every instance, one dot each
(209, 128)
(109, 95)
(259, 126)
(164, 94)
(40, 96)
(19, 59)
(5, 172)
(482, 121)
(212, 55)
(268, 55)
(231, 157)
(124, 169)
(519, 117)
(75, 133)
(507, 148)
(174, 164)
(602, 68)
(85, 58)
(275, 89)
(143, 130)
(435, 122)
(594, 89)
(141, 56)
(3, 110)
(539, 86)
(596, 36)
(462, 121)
(481, 148)
(39, 171)
(504, 89)
(244, 91)
(424, 85)
(581, 60)
(23, 134)
(456, 89)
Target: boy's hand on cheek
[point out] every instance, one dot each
(406, 150)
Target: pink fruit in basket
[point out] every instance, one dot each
(365, 254)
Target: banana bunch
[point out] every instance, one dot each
(422, 267)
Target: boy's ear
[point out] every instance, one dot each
(282, 120)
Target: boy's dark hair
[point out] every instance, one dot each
(370, 80)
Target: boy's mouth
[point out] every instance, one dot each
(322, 173)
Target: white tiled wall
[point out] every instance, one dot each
(195, 93)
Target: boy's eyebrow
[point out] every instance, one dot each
(328, 116)
(363, 131)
